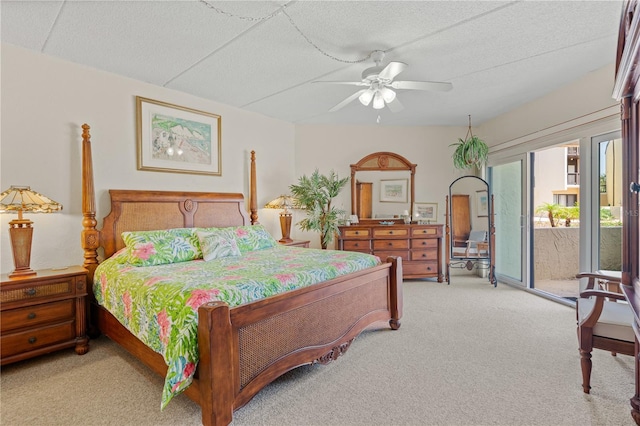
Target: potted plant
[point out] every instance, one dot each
(470, 151)
(314, 194)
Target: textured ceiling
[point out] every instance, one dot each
(498, 55)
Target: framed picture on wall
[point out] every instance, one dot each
(393, 190)
(177, 139)
(482, 203)
(425, 211)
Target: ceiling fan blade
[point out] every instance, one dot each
(350, 83)
(346, 101)
(391, 70)
(395, 105)
(437, 86)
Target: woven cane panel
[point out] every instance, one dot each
(316, 324)
(147, 217)
(218, 214)
(33, 292)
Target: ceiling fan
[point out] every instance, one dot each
(378, 83)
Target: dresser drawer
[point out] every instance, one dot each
(422, 243)
(383, 254)
(420, 268)
(390, 244)
(430, 254)
(28, 340)
(34, 291)
(431, 232)
(390, 232)
(356, 232)
(357, 245)
(36, 315)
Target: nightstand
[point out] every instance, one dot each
(43, 313)
(297, 243)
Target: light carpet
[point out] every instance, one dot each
(466, 354)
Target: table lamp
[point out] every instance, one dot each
(18, 199)
(283, 202)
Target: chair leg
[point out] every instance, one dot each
(585, 363)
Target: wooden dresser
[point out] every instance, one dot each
(43, 313)
(419, 246)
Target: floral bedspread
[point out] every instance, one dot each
(159, 304)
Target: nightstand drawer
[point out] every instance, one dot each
(36, 315)
(28, 340)
(37, 290)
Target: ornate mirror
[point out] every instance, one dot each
(470, 229)
(377, 196)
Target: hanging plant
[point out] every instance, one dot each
(470, 151)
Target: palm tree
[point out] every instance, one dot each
(552, 210)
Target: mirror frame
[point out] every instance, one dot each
(465, 262)
(383, 162)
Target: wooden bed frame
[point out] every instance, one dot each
(241, 349)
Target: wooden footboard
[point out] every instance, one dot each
(258, 342)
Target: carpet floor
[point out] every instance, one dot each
(466, 354)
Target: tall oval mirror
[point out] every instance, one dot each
(469, 227)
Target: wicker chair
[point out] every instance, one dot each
(603, 323)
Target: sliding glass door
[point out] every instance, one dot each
(509, 190)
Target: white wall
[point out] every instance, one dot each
(562, 111)
(45, 101)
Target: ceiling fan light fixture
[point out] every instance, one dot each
(365, 97)
(378, 100)
(387, 94)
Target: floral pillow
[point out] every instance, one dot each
(217, 244)
(148, 248)
(253, 237)
(249, 238)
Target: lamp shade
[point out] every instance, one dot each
(18, 199)
(284, 202)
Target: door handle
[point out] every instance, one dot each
(634, 187)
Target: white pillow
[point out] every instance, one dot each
(215, 245)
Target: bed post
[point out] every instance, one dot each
(217, 373)
(395, 287)
(253, 201)
(89, 235)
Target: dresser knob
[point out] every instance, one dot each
(31, 315)
(390, 244)
(390, 232)
(32, 340)
(424, 255)
(357, 233)
(424, 243)
(30, 291)
(356, 244)
(428, 268)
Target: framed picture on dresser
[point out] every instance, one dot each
(425, 211)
